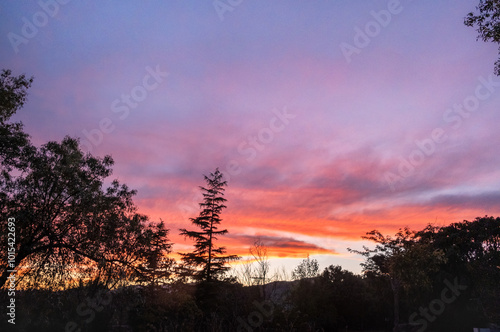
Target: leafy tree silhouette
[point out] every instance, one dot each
(488, 23)
(308, 268)
(207, 255)
(67, 225)
(403, 260)
(14, 141)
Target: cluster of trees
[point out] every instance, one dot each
(70, 230)
(76, 237)
(87, 260)
(443, 277)
(62, 212)
(436, 279)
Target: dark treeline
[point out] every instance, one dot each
(84, 259)
(444, 278)
(87, 261)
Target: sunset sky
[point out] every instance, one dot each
(329, 118)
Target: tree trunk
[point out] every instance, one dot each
(395, 291)
(209, 265)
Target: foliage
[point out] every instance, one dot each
(207, 255)
(65, 219)
(68, 227)
(487, 23)
(472, 251)
(334, 300)
(77, 238)
(421, 263)
(156, 267)
(14, 143)
(13, 92)
(308, 268)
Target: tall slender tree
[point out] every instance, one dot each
(208, 262)
(259, 254)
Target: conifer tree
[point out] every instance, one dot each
(208, 262)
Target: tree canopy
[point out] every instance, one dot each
(207, 255)
(308, 268)
(418, 263)
(487, 23)
(69, 228)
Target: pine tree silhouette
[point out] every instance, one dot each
(207, 255)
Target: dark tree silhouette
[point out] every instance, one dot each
(402, 260)
(157, 266)
(472, 251)
(64, 218)
(487, 23)
(259, 254)
(207, 255)
(418, 264)
(14, 142)
(13, 92)
(308, 268)
(67, 226)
